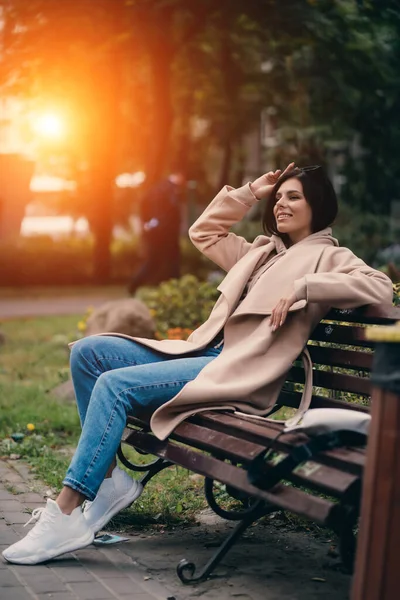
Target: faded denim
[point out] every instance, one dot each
(114, 377)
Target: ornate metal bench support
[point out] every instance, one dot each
(149, 470)
(348, 539)
(187, 570)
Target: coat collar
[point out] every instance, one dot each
(236, 279)
(319, 237)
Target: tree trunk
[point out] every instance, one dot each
(107, 124)
(161, 50)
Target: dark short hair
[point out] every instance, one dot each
(318, 192)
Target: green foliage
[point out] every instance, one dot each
(43, 261)
(183, 303)
(396, 290)
(365, 233)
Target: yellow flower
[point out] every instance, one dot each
(30, 427)
(81, 326)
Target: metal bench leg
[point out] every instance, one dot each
(186, 570)
(149, 470)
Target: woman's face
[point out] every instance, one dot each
(292, 212)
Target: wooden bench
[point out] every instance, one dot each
(221, 445)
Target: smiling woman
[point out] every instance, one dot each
(301, 202)
(276, 291)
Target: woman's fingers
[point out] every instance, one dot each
(276, 316)
(284, 314)
(289, 167)
(279, 314)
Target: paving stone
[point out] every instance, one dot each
(27, 571)
(16, 517)
(89, 591)
(8, 537)
(45, 582)
(73, 574)
(141, 596)
(15, 593)
(4, 494)
(103, 570)
(31, 497)
(9, 476)
(58, 596)
(65, 561)
(8, 579)
(10, 505)
(122, 585)
(32, 505)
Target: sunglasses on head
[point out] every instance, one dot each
(310, 168)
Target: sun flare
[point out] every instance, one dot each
(49, 125)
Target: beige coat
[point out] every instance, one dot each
(249, 372)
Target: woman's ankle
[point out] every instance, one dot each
(69, 499)
(111, 469)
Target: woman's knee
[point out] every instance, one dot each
(110, 387)
(84, 352)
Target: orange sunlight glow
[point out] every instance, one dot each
(49, 125)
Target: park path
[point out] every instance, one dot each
(12, 308)
(103, 573)
(269, 563)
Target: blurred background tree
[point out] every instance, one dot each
(156, 85)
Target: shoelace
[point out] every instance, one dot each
(36, 514)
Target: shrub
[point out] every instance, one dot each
(396, 289)
(43, 261)
(179, 305)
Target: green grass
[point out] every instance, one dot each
(33, 361)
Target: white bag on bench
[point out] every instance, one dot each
(324, 420)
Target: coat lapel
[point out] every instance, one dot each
(235, 281)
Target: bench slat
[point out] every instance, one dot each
(333, 333)
(316, 476)
(292, 399)
(347, 359)
(333, 381)
(348, 460)
(371, 314)
(282, 496)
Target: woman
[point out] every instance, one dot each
(277, 289)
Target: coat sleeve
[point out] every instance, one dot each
(345, 281)
(210, 233)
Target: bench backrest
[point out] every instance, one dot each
(342, 359)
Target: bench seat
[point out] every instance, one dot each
(221, 445)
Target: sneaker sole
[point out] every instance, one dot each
(37, 558)
(116, 508)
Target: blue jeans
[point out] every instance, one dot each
(114, 377)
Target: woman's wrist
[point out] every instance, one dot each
(254, 191)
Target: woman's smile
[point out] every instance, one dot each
(292, 212)
(283, 216)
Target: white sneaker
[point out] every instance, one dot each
(115, 493)
(53, 534)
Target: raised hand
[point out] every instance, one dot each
(262, 186)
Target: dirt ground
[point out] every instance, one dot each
(275, 560)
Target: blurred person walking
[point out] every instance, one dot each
(160, 215)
